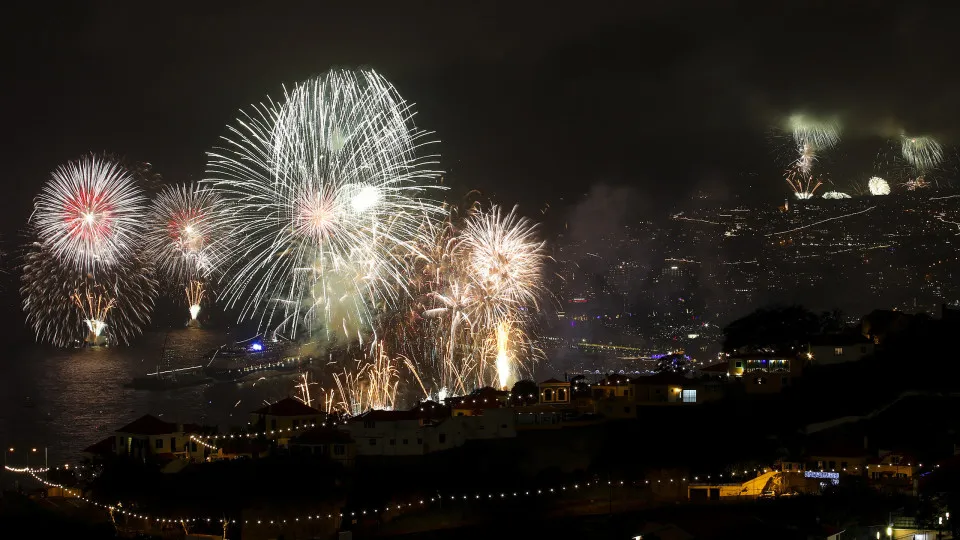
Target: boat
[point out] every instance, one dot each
(243, 359)
(171, 379)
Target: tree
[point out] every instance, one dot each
(579, 387)
(776, 329)
(673, 363)
(525, 391)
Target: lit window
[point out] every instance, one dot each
(689, 396)
(838, 351)
(739, 364)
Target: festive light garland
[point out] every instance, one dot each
(494, 495)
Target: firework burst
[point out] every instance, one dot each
(804, 185)
(184, 235)
(923, 153)
(878, 186)
(66, 307)
(90, 213)
(325, 193)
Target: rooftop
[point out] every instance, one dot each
(288, 407)
(151, 425)
(323, 435)
(663, 378)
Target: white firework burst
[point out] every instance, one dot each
(184, 234)
(90, 213)
(325, 193)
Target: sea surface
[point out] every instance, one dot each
(64, 400)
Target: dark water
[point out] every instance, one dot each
(66, 400)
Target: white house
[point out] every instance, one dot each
(148, 436)
(402, 433)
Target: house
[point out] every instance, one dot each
(240, 448)
(614, 386)
(284, 418)
(893, 471)
(402, 433)
(150, 437)
(880, 324)
(716, 371)
(837, 348)
(482, 395)
(554, 392)
(765, 373)
(665, 388)
(333, 444)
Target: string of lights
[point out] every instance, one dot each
(496, 495)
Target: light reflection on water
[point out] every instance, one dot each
(66, 400)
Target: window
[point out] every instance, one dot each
(843, 464)
(338, 450)
(193, 446)
(159, 443)
(369, 424)
(626, 410)
(863, 350)
(273, 423)
(688, 396)
(838, 351)
(833, 464)
(393, 442)
(406, 441)
(561, 395)
(443, 438)
(373, 442)
(788, 466)
(503, 426)
(459, 413)
(548, 395)
(296, 424)
(784, 381)
(419, 441)
(738, 364)
(173, 444)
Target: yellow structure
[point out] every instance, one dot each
(286, 418)
(554, 392)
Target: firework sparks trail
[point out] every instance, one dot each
(372, 386)
(195, 295)
(812, 135)
(835, 195)
(924, 153)
(804, 185)
(821, 221)
(504, 373)
(476, 275)
(303, 386)
(95, 308)
(89, 213)
(325, 194)
(55, 299)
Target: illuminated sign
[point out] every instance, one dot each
(834, 477)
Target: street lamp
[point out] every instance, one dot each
(889, 531)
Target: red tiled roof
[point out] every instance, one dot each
(103, 447)
(148, 425)
(553, 381)
(287, 407)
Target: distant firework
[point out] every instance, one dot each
(924, 153)
(835, 195)
(325, 194)
(804, 185)
(90, 213)
(916, 183)
(65, 307)
(475, 290)
(878, 186)
(821, 134)
(184, 235)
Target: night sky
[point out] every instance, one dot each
(533, 102)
